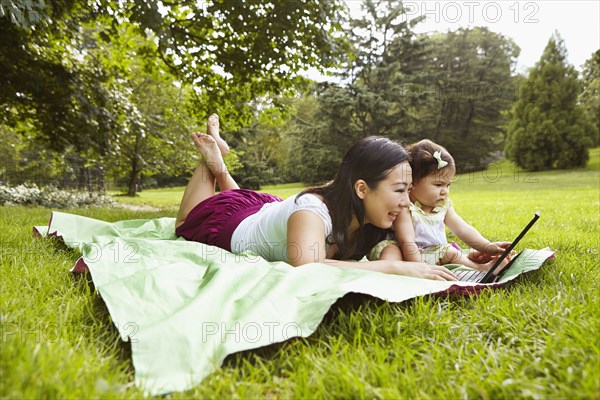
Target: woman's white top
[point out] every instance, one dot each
(265, 233)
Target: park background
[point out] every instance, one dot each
(103, 95)
(98, 101)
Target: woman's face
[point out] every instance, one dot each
(383, 203)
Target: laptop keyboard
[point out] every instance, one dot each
(469, 276)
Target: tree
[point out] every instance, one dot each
(43, 82)
(371, 97)
(260, 147)
(142, 95)
(27, 14)
(590, 95)
(466, 87)
(372, 100)
(314, 145)
(112, 109)
(231, 52)
(452, 88)
(234, 52)
(549, 130)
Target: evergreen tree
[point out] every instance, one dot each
(549, 130)
(590, 96)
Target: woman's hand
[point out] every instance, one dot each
(424, 271)
(486, 266)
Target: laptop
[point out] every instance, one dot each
(489, 276)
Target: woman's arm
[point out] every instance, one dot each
(408, 268)
(306, 244)
(405, 234)
(470, 235)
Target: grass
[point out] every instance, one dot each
(168, 199)
(536, 338)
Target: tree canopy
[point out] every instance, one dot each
(452, 88)
(116, 87)
(58, 80)
(549, 129)
(233, 52)
(590, 94)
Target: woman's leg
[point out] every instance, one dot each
(211, 169)
(222, 176)
(391, 252)
(212, 129)
(385, 250)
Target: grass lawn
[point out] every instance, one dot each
(536, 338)
(168, 199)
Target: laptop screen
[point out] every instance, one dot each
(490, 274)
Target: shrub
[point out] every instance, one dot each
(51, 197)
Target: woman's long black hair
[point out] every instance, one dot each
(370, 159)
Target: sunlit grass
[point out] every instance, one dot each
(169, 198)
(536, 338)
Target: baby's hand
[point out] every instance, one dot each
(496, 248)
(487, 254)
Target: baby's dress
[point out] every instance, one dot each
(430, 233)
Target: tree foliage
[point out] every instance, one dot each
(118, 86)
(260, 148)
(234, 52)
(109, 104)
(590, 95)
(371, 97)
(43, 81)
(386, 57)
(452, 88)
(149, 134)
(468, 86)
(314, 149)
(549, 130)
(27, 14)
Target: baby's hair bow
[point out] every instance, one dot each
(438, 156)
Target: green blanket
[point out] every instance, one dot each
(185, 306)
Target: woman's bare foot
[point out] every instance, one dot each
(210, 152)
(212, 129)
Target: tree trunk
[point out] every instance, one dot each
(100, 179)
(133, 177)
(88, 180)
(469, 121)
(135, 168)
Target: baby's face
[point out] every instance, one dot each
(432, 190)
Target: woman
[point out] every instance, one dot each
(334, 224)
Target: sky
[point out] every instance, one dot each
(529, 23)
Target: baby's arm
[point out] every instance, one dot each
(405, 234)
(455, 256)
(470, 235)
